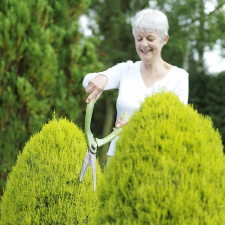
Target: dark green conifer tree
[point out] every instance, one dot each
(43, 59)
(208, 96)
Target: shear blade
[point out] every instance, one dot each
(93, 167)
(85, 165)
(90, 158)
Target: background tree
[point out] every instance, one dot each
(43, 58)
(193, 29)
(208, 96)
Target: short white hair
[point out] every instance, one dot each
(151, 20)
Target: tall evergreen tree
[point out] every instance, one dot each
(43, 59)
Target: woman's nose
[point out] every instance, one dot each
(144, 42)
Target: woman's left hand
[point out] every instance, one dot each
(119, 124)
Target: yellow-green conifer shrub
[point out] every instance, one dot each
(43, 187)
(168, 169)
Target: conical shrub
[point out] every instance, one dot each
(44, 187)
(168, 169)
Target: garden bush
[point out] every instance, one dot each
(44, 187)
(168, 168)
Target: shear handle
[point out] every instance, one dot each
(87, 129)
(113, 135)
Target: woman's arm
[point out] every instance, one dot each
(95, 83)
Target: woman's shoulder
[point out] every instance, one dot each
(177, 74)
(179, 71)
(126, 67)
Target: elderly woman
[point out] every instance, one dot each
(137, 80)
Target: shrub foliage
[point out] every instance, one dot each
(44, 187)
(168, 168)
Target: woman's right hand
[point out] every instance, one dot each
(95, 87)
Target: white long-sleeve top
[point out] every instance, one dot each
(132, 91)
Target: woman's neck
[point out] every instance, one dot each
(152, 73)
(156, 69)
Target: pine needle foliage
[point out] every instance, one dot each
(168, 169)
(43, 59)
(44, 187)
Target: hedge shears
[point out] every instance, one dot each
(94, 143)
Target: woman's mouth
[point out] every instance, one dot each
(146, 51)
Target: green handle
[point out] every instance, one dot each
(92, 145)
(113, 135)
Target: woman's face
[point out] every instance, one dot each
(149, 46)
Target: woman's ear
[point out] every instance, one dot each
(165, 40)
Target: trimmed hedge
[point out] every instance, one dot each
(44, 187)
(168, 168)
